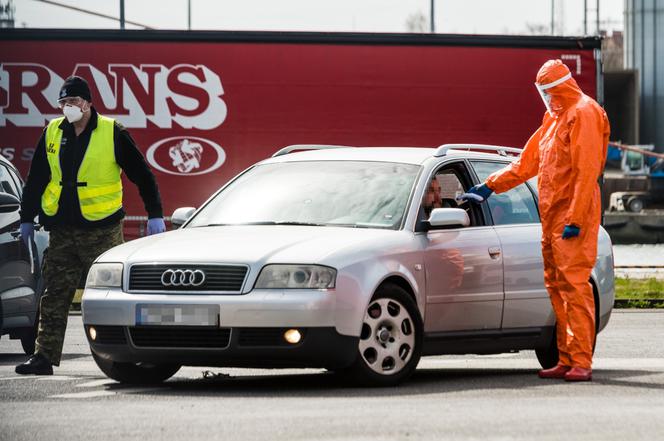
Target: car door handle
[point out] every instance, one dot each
(494, 252)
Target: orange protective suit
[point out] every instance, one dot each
(567, 154)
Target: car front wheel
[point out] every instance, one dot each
(390, 343)
(135, 373)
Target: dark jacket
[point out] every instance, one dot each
(72, 151)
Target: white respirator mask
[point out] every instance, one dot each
(546, 97)
(72, 113)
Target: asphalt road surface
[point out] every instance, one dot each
(465, 398)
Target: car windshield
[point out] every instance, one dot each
(321, 193)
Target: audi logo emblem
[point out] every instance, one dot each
(182, 278)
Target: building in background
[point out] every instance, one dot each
(7, 10)
(644, 53)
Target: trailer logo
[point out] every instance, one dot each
(185, 94)
(186, 156)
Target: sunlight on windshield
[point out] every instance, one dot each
(344, 193)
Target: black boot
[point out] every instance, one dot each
(37, 364)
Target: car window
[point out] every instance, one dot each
(517, 206)
(447, 184)
(441, 192)
(8, 183)
(324, 193)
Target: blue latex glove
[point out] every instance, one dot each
(156, 225)
(27, 230)
(571, 231)
(478, 193)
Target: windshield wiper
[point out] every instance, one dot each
(306, 224)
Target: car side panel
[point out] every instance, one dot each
(359, 280)
(603, 276)
(527, 303)
(464, 283)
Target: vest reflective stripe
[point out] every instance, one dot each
(99, 182)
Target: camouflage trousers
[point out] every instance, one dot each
(71, 251)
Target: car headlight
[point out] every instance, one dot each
(297, 276)
(104, 275)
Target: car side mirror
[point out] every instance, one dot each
(9, 203)
(181, 215)
(447, 218)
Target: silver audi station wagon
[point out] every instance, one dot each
(358, 260)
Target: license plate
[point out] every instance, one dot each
(177, 315)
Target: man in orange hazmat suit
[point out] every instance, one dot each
(567, 153)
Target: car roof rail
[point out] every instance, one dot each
(296, 147)
(502, 151)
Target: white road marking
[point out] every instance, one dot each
(87, 394)
(57, 378)
(21, 377)
(105, 393)
(137, 390)
(531, 363)
(505, 355)
(97, 383)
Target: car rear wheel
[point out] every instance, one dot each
(136, 373)
(390, 343)
(28, 337)
(548, 355)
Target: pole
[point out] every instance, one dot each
(597, 17)
(585, 17)
(122, 15)
(433, 24)
(189, 15)
(553, 10)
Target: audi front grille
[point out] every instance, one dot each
(187, 278)
(180, 337)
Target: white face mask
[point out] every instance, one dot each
(72, 113)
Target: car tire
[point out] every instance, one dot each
(135, 373)
(635, 204)
(390, 343)
(548, 355)
(28, 337)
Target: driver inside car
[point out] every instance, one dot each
(432, 199)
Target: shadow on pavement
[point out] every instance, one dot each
(11, 359)
(423, 382)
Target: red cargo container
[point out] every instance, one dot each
(203, 106)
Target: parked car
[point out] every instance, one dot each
(21, 281)
(328, 258)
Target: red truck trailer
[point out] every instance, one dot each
(203, 106)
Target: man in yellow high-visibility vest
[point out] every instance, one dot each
(75, 187)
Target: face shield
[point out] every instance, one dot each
(546, 97)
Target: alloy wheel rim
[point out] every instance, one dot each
(387, 339)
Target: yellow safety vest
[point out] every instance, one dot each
(99, 184)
